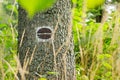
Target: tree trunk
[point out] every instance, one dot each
(46, 45)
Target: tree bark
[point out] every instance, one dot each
(53, 57)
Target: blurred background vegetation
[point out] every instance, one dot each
(96, 31)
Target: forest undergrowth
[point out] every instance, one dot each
(96, 45)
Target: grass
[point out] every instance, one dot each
(97, 47)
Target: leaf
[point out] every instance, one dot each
(34, 6)
(42, 79)
(107, 65)
(91, 4)
(74, 1)
(84, 77)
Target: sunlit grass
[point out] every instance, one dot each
(97, 56)
(98, 43)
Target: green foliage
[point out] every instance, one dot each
(92, 4)
(42, 79)
(8, 40)
(8, 47)
(90, 64)
(74, 1)
(34, 6)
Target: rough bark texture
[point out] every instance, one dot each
(54, 58)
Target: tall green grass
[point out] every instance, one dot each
(97, 47)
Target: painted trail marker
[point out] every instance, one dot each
(43, 34)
